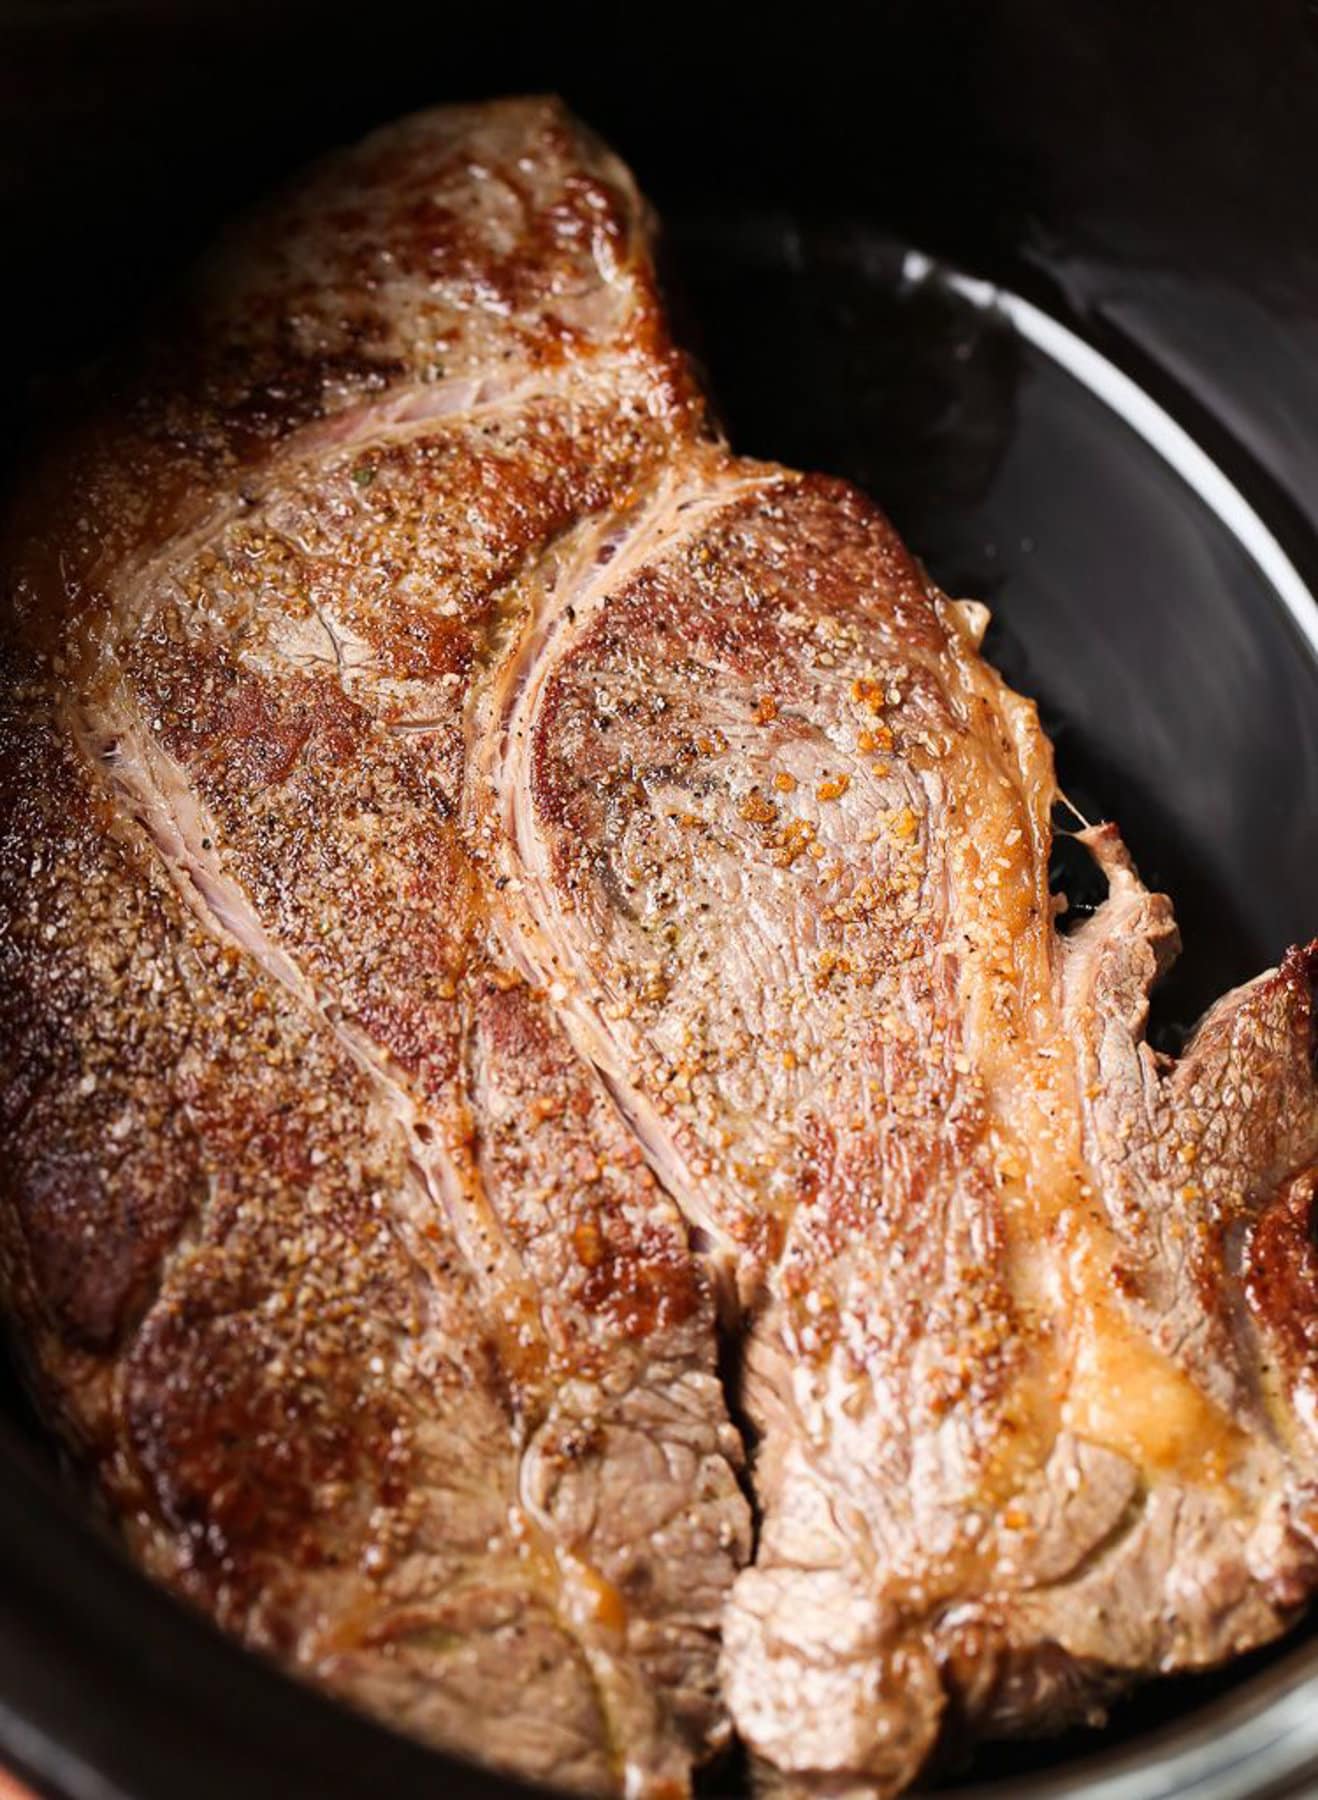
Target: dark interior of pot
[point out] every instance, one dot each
(1142, 176)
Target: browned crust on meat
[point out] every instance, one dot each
(482, 868)
(330, 1255)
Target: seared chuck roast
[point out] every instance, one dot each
(491, 881)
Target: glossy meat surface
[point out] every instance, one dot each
(500, 892)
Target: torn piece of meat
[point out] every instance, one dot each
(494, 881)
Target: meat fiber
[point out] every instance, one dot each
(499, 891)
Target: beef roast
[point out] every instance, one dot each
(498, 890)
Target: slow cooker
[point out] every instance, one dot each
(1044, 279)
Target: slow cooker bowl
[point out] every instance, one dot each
(866, 216)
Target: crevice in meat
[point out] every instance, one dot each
(1075, 879)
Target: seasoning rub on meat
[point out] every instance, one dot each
(498, 890)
